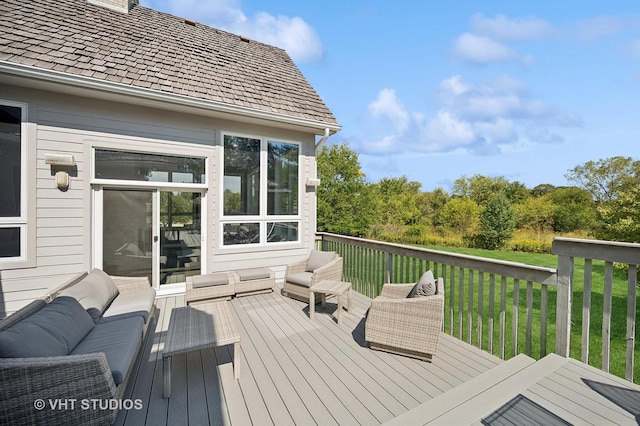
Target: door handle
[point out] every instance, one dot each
(155, 238)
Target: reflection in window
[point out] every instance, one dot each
(12, 216)
(282, 231)
(139, 166)
(241, 176)
(282, 178)
(241, 233)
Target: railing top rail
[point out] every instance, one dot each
(609, 251)
(516, 270)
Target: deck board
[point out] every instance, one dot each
(293, 370)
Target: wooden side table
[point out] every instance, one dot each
(329, 287)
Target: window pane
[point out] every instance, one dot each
(241, 233)
(282, 179)
(10, 161)
(148, 167)
(282, 231)
(9, 242)
(241, 176)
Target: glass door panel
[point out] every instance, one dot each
(180, 236)
(127, 248)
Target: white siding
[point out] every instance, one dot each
(64, 234)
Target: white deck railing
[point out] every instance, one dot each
(504, 307)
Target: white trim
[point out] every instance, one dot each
(29, 72)
(262, 218)
(124, 9)
(21, 222)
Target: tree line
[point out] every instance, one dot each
(480, 211)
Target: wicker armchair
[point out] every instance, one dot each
(298, 280)
(406, 326)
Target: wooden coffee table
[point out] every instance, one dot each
(196, 327)
(329, 287)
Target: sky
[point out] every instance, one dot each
(435, 91)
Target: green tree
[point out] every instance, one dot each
(534, 213)
(482, 189)
(606, 178)
(621, 217)
(431, 205)
(397, 201)
(344, 202)
(462, 214)
(496, 223)
(574, 209)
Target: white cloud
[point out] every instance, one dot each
(482, 50)
(388, 106)
(598, 27)
(635, 48)
(508, 29)
(294, 35)
(496, 116)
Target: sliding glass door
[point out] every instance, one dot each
(150, 232)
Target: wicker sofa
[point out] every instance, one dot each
(302, 275)
(405, 325)
(77, 345)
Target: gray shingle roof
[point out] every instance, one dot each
(150, 49)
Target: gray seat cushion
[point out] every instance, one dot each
(52, 331)
(301, 278)
(127, 305)
(253, 274)
(318, 259)
(95, 292)
(119, 340)
(208, 280)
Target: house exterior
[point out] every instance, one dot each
(146, 144)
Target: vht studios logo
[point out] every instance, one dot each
(87, 404)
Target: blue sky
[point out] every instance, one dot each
(437, 90)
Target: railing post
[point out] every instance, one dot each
(389, 266)
(564, 302)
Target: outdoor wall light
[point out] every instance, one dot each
(62, 162)
(59, 159)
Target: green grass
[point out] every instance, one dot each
(619, 309)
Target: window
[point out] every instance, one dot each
(13, 185)
(260, 191)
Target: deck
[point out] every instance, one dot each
(298, 371)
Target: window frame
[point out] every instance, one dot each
(26, 258)
(262, 218)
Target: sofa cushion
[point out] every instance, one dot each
(301, 278)
(253, 274)
(127, 305)
(426, 286)
(209, 280)
(318, 259)
(95, 292)
(119, 340)
(52, 331)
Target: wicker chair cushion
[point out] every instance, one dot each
(253, 274)
(208, 280)
(426, 286)
(52, 331)
(318, 259)
(127, 305)
(119, 340)
(301, 278)
(95, 292)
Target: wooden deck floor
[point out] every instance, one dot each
(303, 372)
(293, 371)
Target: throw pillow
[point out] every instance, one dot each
(426, 286)
(95, 292)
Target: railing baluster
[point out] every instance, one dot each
(529, 311)
(480, 307)
(470, 308)
(606, 315)
(632, 280)
(503, 315)
(460, 302)
(586, 309)
(544, 306)
(492, 296)
(452, 300)
(514, 317)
